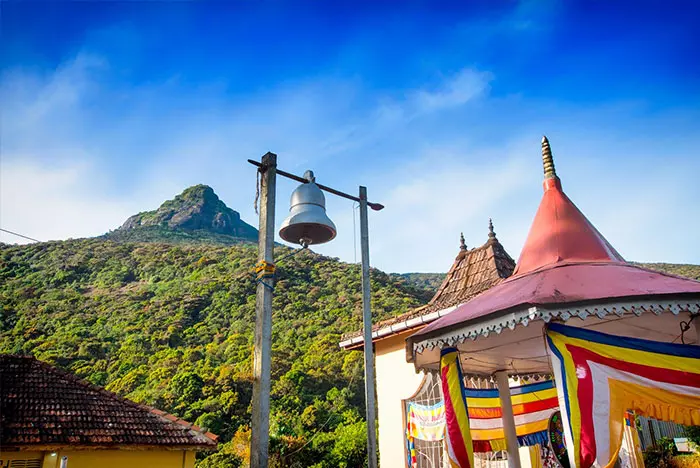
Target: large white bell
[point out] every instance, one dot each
(307, 222)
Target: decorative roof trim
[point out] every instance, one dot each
(399, 327)
(525, 316)
(526, 377)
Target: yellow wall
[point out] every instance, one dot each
(396, 381)
(6, 458)
(107, 458)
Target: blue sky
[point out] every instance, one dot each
(109, 108)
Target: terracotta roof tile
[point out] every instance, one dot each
(42, 405)
(473, 272)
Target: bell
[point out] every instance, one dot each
(307, 222)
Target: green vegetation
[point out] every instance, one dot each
(661, 455)
(161, 311)
(427, 281)
(172, 326)
(172, 236)
(679, 269)
(693, 434)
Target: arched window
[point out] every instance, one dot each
(427, 454)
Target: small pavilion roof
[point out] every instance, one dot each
(565, 262)
(473, 272)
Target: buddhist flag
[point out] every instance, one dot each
(533, 405)
(426, 422)
(458, 440)
(600, 377)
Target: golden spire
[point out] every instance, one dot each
(547, 160)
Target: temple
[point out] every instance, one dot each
(525, 334)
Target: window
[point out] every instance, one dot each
(428, 454)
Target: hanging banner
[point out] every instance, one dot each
(426, 422)
(458, 440)
(599, 377)
(533, 405)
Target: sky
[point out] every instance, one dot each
(438, 108)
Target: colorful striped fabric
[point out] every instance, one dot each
(412, 461)
(532, 406)
(458, 439)
(601, 376)
(426, 422)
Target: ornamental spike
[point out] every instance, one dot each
(548, 160)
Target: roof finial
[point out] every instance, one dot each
(462, 244)
(547, 160)
(492, 234)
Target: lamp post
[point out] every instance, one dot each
(306, 225)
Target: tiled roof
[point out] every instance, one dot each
(41, 405)
(473, 272)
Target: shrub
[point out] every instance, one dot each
(686, 461)
(693, 434)
(662, 455)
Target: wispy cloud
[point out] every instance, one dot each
(454, 91)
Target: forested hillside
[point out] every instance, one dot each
(428, 281)
(172, 326)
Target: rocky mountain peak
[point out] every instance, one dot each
(197, 208)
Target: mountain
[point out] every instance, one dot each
(197, 215)
(171, 325)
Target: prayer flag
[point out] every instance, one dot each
(458, 438)
(599, 377)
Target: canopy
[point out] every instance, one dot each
(566, 270)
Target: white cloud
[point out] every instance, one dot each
(454, 91)
(79, 156)
(55, 203)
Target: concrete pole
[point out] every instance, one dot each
(370, 397)
(508, 419)
(260, 437)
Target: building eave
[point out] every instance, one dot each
(357, 342)
(58, 447)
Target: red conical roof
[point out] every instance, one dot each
(560, 232)
(565, 260)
